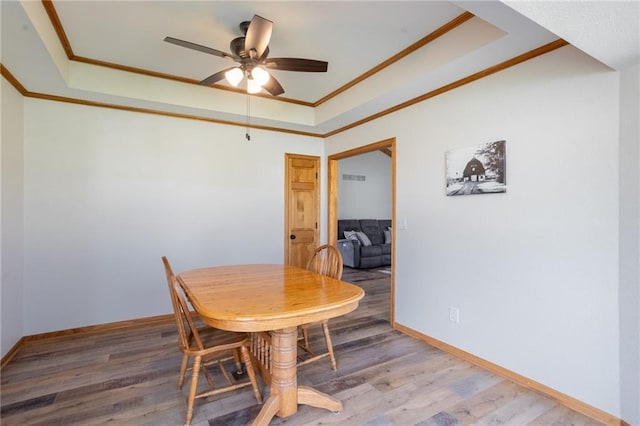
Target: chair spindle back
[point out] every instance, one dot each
(326, 260)
(187, 330)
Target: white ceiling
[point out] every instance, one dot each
(352, 36)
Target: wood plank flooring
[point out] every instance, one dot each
(128, 377)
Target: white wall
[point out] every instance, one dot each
(534, 271)
(368, 199)
(11, 214)
(630, 244)
(108, 192)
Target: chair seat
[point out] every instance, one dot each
(213, 337)
(218, 344)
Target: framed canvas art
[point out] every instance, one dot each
(478, 169)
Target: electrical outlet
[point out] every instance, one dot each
(454, 314)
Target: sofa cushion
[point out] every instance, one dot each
(386, 248)
(350, 235)
(370, 251)
(348, 225)
(373, 231)
(362, 237)
(371, 262)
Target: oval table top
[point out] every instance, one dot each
(262, 297)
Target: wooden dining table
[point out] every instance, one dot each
(276, 299)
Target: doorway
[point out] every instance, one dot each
(388, 147)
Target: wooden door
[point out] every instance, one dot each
(302, 208)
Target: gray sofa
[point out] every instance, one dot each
(357, 255)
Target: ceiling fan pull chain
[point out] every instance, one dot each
(247, 135)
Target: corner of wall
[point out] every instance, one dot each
(11, 217)
(629, 237)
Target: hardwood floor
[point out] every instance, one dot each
(128, 377)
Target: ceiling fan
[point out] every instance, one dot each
(251, 52)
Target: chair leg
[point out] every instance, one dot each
(251, 373)
(305, 336)
(212, 386)
(236, 357)
(192, 389)
(327, 339)
(183, 370)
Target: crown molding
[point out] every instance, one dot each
(64, 41)
(461, 82)
(454, 23)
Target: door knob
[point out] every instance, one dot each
(293, 237)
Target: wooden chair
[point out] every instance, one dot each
(326, 260)
(206, 346)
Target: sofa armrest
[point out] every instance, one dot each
(350, 251)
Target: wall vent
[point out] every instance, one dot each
(359, 178)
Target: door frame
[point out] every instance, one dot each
(388, 146)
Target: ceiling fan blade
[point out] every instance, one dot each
(258, 36)
(200, 48)
(296, 64)
(273, 87)
(214, 78)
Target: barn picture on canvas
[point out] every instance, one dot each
(478, 169)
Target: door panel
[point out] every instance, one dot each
(302, 208)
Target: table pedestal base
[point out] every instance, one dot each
(285, 392)
(306, 396)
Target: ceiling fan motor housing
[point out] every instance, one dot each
(237, 47)
(244, 26)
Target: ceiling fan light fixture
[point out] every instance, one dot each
(234, 76)
(253, 86)
(260, 76)
(251, 51)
